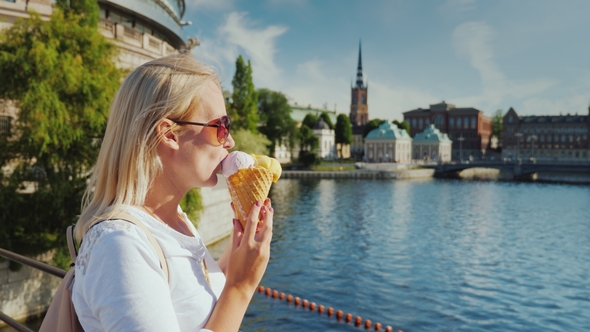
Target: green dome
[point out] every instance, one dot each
(431, 134)
(385, 131)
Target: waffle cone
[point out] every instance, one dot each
(247, 186)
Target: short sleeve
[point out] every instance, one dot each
(121, 282)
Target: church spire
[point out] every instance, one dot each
(359, 70)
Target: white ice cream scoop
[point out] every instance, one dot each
(234, 161)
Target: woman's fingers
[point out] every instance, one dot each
(252, 222)
(266, 222)
(237, 234)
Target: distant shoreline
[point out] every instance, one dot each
(399, 174)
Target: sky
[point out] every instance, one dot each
(532, 55)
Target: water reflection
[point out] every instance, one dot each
(429, 255)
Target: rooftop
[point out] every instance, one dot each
(387, 131)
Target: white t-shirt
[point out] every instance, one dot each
(120, 286)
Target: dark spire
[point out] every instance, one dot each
(359, 70)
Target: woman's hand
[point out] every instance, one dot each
(246, 263)
(250, 248)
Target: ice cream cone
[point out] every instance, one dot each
(247, 186)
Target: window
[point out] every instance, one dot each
(473, 122)
(466, 123)
(420, 124)
(414, 123)
(458, 123)
(427, 122)
(439, 121)
(5, 123)
(510, 118)
(452, 123)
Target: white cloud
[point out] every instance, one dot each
(454, 8)
(473, 40)
(312, 85)
(390, 101)
(238, 35)
(257, 43)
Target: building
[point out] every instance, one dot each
(467, 127)
(359, 110)
(548, 137)
(432, 145)
(388, 144)
(285, 155)
(143, 30)
(326, 138)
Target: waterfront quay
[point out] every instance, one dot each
(568, 172)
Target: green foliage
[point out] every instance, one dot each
(61, 75)
(192, 205)
(308, 158)
(275, 114)
(402, 125)
(250, 142)
(309, 120)
(373, 124)
(244, 109)
(87, 9)
(307, 140)
(497, 125)
(327, 120)
(343, 131)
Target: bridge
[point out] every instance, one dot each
(520, 169)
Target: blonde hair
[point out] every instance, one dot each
(169, 87)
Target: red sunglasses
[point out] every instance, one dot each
(222, 124)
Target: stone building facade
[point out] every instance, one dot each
(432, 145)
(326, 138)
(548, 137)
(468, 128)
(388, 144)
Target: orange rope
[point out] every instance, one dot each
(358, 321)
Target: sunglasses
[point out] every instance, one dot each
(222, 124)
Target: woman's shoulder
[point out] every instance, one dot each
(108, 237)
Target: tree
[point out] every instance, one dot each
(250, 142)
(244, 111)
(343, 131)
(373, 124)
(497, 126)
(309, 143)
(309, 120)
(87, 9)
(402, 125)
(61, 76)
(327, 120)
(275, 115)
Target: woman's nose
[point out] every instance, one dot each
(229, 142)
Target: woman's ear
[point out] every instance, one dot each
(166, 135)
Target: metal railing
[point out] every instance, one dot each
(34, 264)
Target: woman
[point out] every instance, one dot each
(167, 132)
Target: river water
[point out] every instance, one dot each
(428, 255)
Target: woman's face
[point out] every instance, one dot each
(200, 152)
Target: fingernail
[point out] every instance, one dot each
(272, 210)
(263, 208)
(257, 203)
